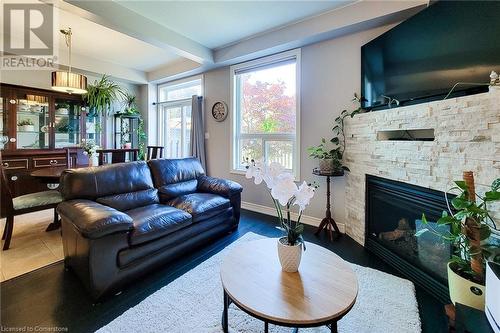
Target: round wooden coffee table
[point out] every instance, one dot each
(320, 293)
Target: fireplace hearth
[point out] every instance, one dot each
(393, 216)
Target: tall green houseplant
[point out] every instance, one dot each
(470, 226)
(335, 154)
(102, 94)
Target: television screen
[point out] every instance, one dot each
(422, 58)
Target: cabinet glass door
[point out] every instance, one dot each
(67, 123)
(93, 128)
(33, 122)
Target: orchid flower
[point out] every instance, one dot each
(303, 196)
(271, 174)
(284, 192)
(283, 188)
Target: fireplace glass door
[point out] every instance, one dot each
(394, 212)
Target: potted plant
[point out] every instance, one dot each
(62, 108)
(102, 94)
(470, 226)
(90, 148)
(330, 159)
(285, 194)
(26, 125)
(131, 109)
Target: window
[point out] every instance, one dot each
(265, 100)
(174, 116)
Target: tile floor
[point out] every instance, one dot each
(31, 247)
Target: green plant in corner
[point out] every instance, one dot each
(470, 226)
(337, 142)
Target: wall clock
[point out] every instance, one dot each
(219, 111)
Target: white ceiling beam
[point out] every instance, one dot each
(114, 16)
(349, 19)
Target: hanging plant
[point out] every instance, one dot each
(102, 94)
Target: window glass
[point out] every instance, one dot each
(174, 117)
(265, 94)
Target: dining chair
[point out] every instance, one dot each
(117, 155)
(154, 152)
(23, 204)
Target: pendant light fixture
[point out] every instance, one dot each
(68, 82)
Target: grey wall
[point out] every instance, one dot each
(41, 79)
(330, 75)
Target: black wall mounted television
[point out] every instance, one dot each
(422, 58)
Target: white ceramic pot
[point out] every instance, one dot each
(28, 128)
(289, 256)
(326, 165)
(465, 291)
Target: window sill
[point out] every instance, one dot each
(238, 172)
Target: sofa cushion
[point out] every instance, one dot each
(171, 191)
(96, 182)
(175, 177)
(127, 201)
(201, 206)
(155, 221)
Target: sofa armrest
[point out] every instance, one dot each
(94, 220)
(224, 187)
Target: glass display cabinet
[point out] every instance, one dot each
(126, 131)
(36, 127)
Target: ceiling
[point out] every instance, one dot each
(157, 40)
(217, 23)
(98, 42)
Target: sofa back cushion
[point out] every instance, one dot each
(102, 181)
(130, 200)
(175, 177)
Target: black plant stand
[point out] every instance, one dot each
(328, 223)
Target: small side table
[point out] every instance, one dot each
(328, 223)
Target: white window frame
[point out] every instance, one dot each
(174, 103)
(234, 115)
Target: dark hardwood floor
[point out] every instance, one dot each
(52, 297)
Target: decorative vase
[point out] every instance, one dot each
(326, 165)
(465, 291)
(289, 255)
(28, 128)
(93, 160)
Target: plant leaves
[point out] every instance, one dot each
(421, 231)
(495, 186)
(461, 184)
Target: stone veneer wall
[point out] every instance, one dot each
(467, 137)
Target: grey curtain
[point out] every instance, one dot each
(198, 131)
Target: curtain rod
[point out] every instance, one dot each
(176, 101)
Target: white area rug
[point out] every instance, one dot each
(193, 303)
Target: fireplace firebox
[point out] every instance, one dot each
(393, 216)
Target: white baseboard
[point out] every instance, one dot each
(314, 221)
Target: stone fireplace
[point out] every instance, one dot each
(426, 145)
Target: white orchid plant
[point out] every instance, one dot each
(89, 147)
(285, 193)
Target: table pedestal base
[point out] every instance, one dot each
(56, 223)
(329, 225)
